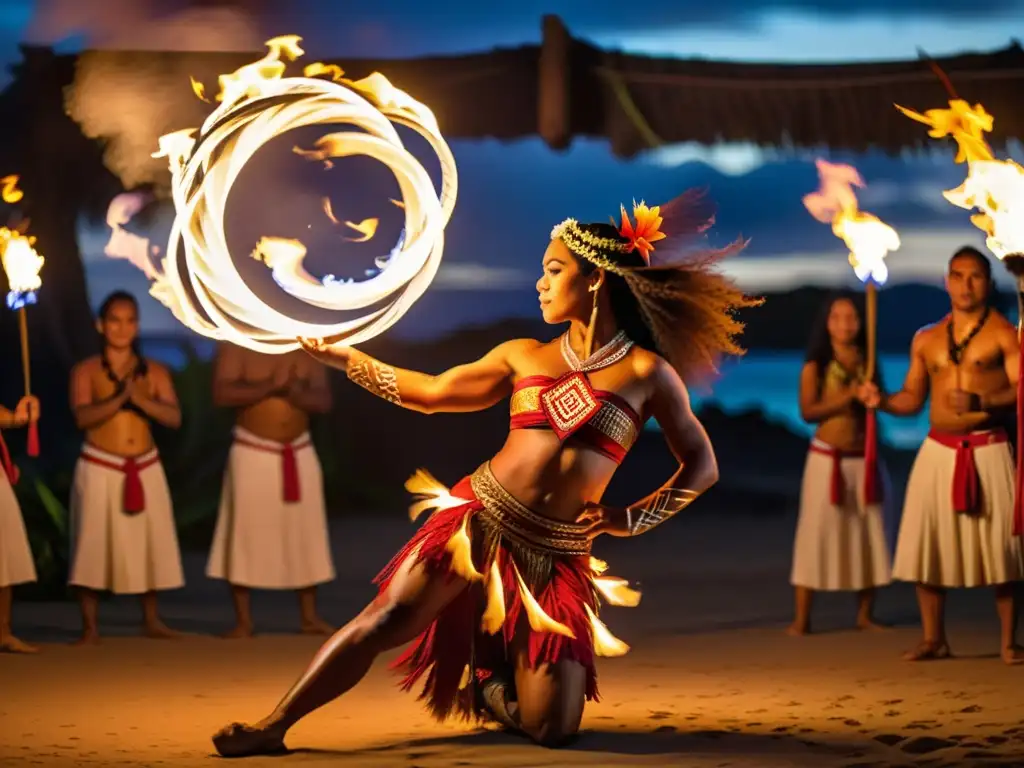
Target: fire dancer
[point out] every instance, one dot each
(958, 511)
(272, 525)
(16, 565)
(498, 589)
(122, 522)
(840, 538)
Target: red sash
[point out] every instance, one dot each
(836, 485)
(289, 466)
(9, 467)
(134, 493)
(966, 488)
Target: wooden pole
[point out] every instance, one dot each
(553, 97)
(25, 371)
(871, 326)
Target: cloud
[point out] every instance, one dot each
(921, 258)
(467, 276)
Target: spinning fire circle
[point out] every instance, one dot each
(200, 282)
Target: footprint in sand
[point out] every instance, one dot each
(660, 715)
(666, 729)
(890, 739)
(971, 709)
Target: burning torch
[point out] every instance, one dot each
(869, 240)
(21, 264)
(996, 189)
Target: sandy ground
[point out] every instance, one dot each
(711, 681)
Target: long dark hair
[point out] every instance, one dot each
(683, 312)
(123, 296)
(819, 348)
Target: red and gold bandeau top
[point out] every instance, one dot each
(571, 408)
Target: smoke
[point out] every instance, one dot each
(127, 100)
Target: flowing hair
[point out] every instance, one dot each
(680, 306)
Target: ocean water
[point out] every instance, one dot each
(761, 380)
(769, 381)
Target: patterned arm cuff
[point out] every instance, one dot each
(655, 510)
(377, 378)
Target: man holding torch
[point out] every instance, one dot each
(957, 528)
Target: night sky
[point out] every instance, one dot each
(512, 194)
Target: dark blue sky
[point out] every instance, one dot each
(511, 194)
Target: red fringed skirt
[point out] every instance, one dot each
(521, 567)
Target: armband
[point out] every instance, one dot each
(377, 378)
(655, 510)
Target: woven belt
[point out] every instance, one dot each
(520, 523)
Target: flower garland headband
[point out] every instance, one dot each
(639, 237)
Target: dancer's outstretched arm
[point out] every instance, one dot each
(471, 387)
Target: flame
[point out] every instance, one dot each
(422, 483)
(597, 567)
(964, 123)
(994, 187)
(329, 211)
(617, 591)
(198, 89)
(21, 263)
(176, 147)
(461, 549)
(397, 203)
(605, 643)
(250, 81)
(494, 613)
(335, 72)
(868, 238)
(367, 228)
(11, 194)
(539, 620)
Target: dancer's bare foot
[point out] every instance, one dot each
(88, 637)
(239, 632)
(241, 740)
(798, 630)
(1013, 655)
(870, 625)
(928, 651)
(10, 644)
(316, 626)
(157, 630)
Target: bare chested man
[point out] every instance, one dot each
(16, 564)
(122, 521)
(272, 524)
(957, 528)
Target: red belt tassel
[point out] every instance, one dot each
(872, 491)
(290, 473)
(966, 485)
(134, 494)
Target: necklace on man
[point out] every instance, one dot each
(957, 349)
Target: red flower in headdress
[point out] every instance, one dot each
(645, 232)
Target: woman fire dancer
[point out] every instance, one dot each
(497, 588)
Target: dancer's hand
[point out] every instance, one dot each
(601, 519)
(320, 349)
(868, 394)
(963, 402)
(27, 410)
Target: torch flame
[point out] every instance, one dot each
(198, 89)
(994, 187)
(249, 81)
(868, 238)
(335, 72)
(11, 194)
(21, 264)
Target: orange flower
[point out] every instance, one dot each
(642, 236)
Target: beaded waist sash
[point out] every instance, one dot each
(519, 523)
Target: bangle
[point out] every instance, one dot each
(377, 378)
(665, 504)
